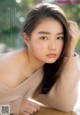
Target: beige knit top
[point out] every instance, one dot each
(63, 94)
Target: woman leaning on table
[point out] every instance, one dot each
(46, 70)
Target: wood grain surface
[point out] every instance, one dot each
(48, 111)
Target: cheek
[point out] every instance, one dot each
(38, 45)
(60, 47)
(37, 48)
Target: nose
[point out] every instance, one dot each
(52, 45)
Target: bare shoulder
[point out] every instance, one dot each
(11, 68)
(9, 58)
(8, 68)
(5, 59)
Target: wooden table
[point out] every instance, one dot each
(48, 111)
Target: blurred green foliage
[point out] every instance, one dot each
(13, 14)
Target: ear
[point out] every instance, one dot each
(26, 38)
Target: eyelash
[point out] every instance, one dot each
(43, 38)
(60, 37)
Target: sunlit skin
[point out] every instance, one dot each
(46, 39)
(46, 42)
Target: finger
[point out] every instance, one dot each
(29, 110)
(25, 113)
(74, 33)
(74, 28)
(35, 105)
(73, 23)
(30, 107)
(34, 109)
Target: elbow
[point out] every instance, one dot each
(67, 103)
(66, 106)
(66, 109)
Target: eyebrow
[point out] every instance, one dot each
(44, 32)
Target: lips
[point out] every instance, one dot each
(51, 55)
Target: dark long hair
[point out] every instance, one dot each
(37, 14)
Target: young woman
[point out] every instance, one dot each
(47, 68)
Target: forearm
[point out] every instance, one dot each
(70, 52)
(67, 85)
(63, 94)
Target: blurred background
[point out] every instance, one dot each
(12, 18)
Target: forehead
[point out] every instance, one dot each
(49, 25)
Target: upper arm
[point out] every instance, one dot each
(66, 88)
(63, 95)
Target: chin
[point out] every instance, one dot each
(50, 62)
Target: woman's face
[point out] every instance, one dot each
(46, 41)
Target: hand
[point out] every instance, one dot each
(27, 107)
(74, 33)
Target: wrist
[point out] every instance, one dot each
(70, 54)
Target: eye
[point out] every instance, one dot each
(44, 38)
(60, 37)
